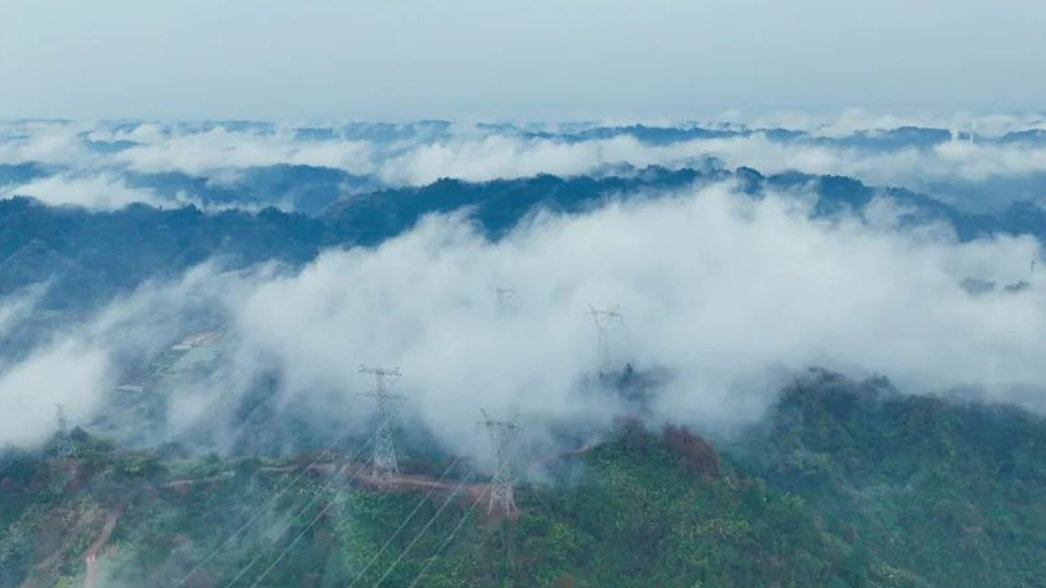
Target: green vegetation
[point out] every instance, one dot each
(843, 485)
(92, 256)
(954, 493)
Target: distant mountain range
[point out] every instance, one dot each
(221, 164)
(91, 255)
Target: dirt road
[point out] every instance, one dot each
(91, 556)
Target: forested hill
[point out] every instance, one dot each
(952, 491)
(91, 255)
(843, 484)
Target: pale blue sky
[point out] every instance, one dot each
(560, 59)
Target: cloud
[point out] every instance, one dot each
(105, 191)
(201, 153)
(983, 174)
(80, 364)
(719, 289)
(975, 161)
(17, 307)
(960, 170)
(839, 124)
(725, 294)
(64, 373)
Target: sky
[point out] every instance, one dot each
(539, 59)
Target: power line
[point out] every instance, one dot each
(410, 516)
(307, 528)
(237, 432)
(271, 502)
(432, 520)
(446, 542)
(327, 486)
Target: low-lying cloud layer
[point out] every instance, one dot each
(729, 296)
(78, 366)
(104, 191)
(962, 169)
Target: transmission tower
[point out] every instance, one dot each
(506, 299)
(501, 492)
(63, 447)
(384, 463)
(602, 320)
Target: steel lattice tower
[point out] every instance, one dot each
(501, 434)
(602, 320)
(384, 462)
(63, 448)
(506, 300)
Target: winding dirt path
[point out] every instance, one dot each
(91, 556)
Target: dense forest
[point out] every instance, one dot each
(91, 256)
(841, 484)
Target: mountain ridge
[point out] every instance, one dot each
(152, 242)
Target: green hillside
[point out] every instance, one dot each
(843, 485)
(953, 492)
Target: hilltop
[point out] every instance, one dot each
(842, 484)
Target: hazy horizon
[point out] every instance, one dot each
(544, 60)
